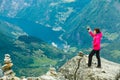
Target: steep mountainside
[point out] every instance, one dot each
(30, 55)
(53, 14)
(104, 14)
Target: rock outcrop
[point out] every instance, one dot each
(7, 69)
(76, 69)
(1, 71)
(50, 75)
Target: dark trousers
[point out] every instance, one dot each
(97, 52)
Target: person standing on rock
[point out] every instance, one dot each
(96, 35)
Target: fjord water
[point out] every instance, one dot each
(36, 30)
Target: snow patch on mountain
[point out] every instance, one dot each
(117, 5)
(109, 0)
(13, 7)
(110, 36)
(16, 6)
(69, 1)
(54, 4)
(47, 25)
(57, 28)
(62, 16)
(2, 6)
(54, 44)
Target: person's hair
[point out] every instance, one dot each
(97, 30)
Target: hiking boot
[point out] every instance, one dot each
(98, 67)
(89, 66)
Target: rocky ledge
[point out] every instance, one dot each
(76, 69)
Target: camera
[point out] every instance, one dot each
(88, 28)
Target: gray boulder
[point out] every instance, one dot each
(1, 73)
(76, 69)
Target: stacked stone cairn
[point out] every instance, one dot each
(7, 69)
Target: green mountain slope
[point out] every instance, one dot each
(31, 56)
(104, 14)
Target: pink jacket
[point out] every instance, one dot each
(96, 40)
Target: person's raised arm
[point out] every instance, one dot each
(90, 31)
